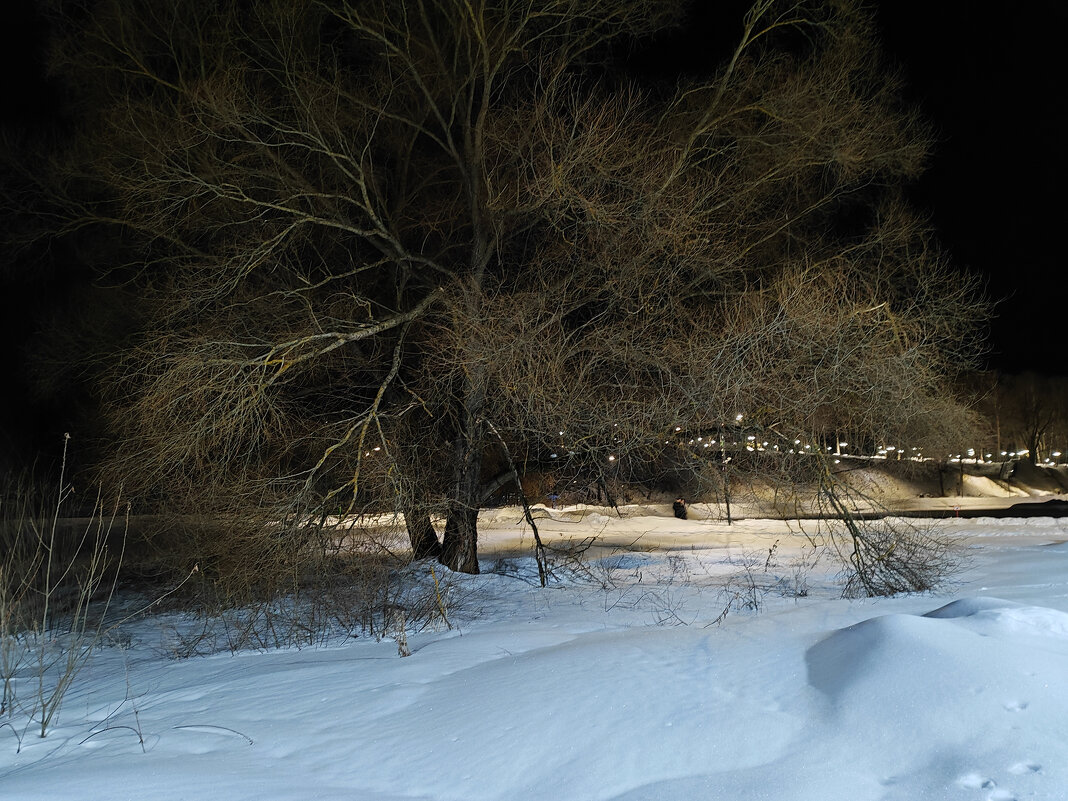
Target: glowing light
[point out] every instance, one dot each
(738, 418)
(611, 458)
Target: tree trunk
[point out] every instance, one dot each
(421, 533)
(726, 487)
(459, 548)
(459, 551)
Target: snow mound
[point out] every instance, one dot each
(850, 661)
(965, 607)
(988, 616)
(976, 675)
(964, 639)
(985, 487)
(882, 484)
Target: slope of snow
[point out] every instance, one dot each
(619, 689)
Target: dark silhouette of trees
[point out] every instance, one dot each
(377, 244)
(1032, 411)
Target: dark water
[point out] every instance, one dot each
(1050, 508)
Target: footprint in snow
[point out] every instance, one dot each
(976, 781)
(1016, 706)
(1024, 768)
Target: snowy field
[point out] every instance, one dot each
(614, 684)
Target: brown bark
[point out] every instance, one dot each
(459, 550)
(421, 533)
(460, 543)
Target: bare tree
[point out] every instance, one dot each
(368, 234)
(1032, 410)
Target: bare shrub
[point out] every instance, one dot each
(884, 555)
(361, 587)
(746, 588)
(56, 587)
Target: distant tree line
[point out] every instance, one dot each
(1024, 415)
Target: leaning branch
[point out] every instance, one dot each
(285, 355)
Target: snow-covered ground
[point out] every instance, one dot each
(613, 685)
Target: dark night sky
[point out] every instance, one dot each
(992, 85)
(995, 87)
